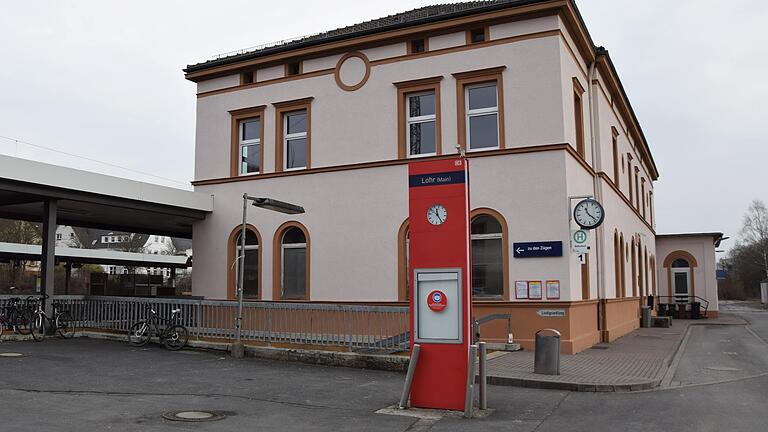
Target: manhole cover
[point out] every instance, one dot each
(10, 354)
(193, 416)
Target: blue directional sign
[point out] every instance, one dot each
(538, 249)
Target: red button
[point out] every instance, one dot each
(437, 301)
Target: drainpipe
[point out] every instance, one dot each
(598, 192)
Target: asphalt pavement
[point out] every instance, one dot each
(95, 385)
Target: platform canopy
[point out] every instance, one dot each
(91, 200)
(55, 195)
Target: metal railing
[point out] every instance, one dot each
(686, 300)
(353, 326)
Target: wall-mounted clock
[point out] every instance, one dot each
(588, 213)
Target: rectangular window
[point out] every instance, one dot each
(418, 111)
(293, 68)
(480, 109)
(295, 139)
(58, 236)
(421, 120)
(293, 135)
(246, 153)
(417, 46)
(615, 156)
(578, 111)
(476, 35)
(629, 177)
(250, 146)
(642, 188)
(247, 77)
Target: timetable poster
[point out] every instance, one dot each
(521, 289)
(534, 290)
(553, 289)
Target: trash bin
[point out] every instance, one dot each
(696, 310)
(645, 317)
(546, 359)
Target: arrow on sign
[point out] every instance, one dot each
(518, 250)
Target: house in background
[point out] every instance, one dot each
(87, 238)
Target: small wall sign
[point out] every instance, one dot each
(538, 249)
(551, 313)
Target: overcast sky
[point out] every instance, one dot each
(102, 79)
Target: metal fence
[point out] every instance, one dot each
(353, 326)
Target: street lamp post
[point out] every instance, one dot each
(238, 350)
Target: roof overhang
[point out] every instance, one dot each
(91, 200)
(384, 35)
(716, 237)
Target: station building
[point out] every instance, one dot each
(330, 122)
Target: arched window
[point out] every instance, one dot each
(634, 268)
(623, 260)
(252, 269)
(291, 263)
(616, 264)
(403, 262)
(489, 268)
(680, 263)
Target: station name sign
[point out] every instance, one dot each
(436, 179)
(538, 249)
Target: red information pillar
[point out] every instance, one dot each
(439, 277)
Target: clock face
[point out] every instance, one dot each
(588, 214)
(437, 214)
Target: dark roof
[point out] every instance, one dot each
(409, 18)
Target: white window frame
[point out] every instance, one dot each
(481, 112)
(244, 143)
(283, 247)
(287, 137)
(419, 119)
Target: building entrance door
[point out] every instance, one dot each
(682, 284)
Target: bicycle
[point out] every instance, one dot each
(62, 322)
(174, 336)
(12, 318)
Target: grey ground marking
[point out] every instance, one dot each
(670, 373)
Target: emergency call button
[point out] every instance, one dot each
(437, 301)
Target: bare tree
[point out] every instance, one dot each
(754, 233)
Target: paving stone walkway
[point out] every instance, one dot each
(637, 361)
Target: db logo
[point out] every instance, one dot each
(437, 301)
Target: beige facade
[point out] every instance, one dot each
(565, 129)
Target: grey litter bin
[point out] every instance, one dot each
(645, 321)
(546, 359)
